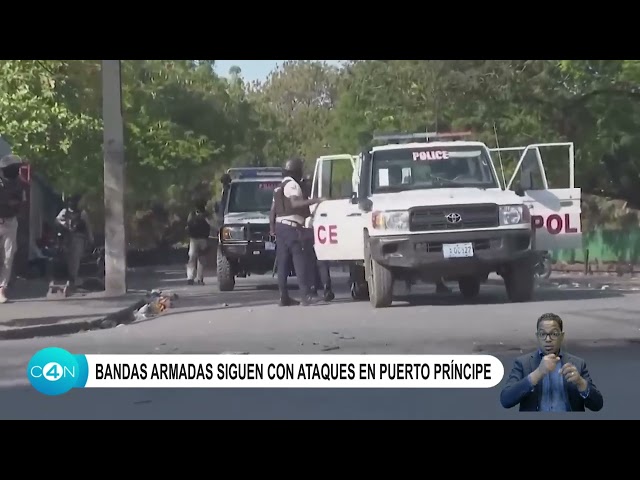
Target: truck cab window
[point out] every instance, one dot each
(431, 167)
(251, 196)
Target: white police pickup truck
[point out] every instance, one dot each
(244, 243)
(428, 206)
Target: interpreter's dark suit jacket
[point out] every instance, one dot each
(518, 389)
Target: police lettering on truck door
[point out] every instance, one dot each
(555, 212)
(337, 223)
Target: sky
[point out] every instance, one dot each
(253, 69)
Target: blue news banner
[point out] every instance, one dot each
(55, 371)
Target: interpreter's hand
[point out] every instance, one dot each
(548, 363)
(571, 375)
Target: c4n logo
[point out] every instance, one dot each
(52, 371)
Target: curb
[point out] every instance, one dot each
(119, 317)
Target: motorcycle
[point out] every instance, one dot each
(543, 266)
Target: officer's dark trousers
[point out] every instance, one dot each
(290, 249)
(320, 277)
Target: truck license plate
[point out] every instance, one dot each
(269, 246)
(457, 250)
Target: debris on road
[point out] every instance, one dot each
(158, 303)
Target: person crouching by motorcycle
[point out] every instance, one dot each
(77, 236)
(12, 196)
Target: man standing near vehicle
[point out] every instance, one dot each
(319, 271)
(199, 229)
(77, 236)
(291, 210)
(11, 199)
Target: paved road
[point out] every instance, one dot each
(601, 325)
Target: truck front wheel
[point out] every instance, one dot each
(226, 279)
(519, 281)
(380, 284)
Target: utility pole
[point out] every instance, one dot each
(114, 180)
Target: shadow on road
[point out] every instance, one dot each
(493, 298)
(29, 322)
(251, 296)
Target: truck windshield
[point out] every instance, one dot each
(251, 196)
(453, 166)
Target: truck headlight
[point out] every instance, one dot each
(514, 215)
(392, 220)
(232, 233)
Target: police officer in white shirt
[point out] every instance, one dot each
(291, 210)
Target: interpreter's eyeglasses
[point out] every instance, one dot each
(543, 335)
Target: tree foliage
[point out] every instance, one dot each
(185, 124)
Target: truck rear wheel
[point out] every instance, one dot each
(226, 280)
(519, 281)
(380, 285)
(469, 286)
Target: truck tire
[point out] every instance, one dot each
(380, 284)
(520, 281)
(226, 280)
(469, 287)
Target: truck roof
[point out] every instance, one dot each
(400, 146)
(257, 180)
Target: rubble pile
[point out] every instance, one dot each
(158, 303)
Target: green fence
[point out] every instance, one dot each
(605, 246)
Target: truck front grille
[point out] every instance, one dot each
(453, 217)
(257, 232)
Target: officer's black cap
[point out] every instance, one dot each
(74, 199)
(294, 164)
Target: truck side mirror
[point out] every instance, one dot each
(365, 205)
(518, 190)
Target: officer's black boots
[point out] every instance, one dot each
(307, 300)
(304, 301)
(287, 301)
(328, 294)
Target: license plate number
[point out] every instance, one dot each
(269, 246)
(457, 250)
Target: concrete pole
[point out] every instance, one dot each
(114, 180)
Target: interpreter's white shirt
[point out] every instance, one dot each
(292, 189)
